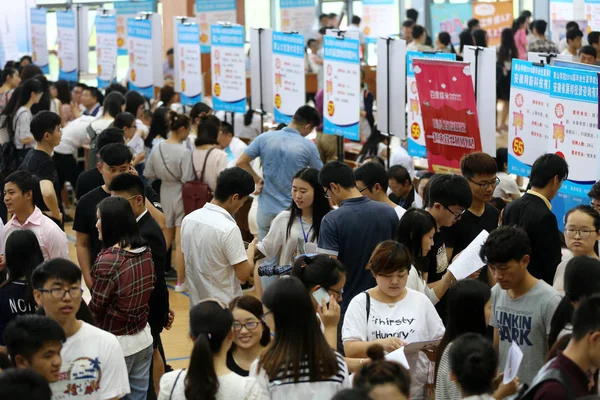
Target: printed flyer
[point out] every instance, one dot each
(228, 68)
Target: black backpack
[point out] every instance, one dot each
(547, 374)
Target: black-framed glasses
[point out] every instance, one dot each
(326, 194)
(59, 293)
(485, 185)
(456, 215)
(583, 233)
(338, 293)
(264, 316)
(596, 204)
(363, 189)
(252, 325)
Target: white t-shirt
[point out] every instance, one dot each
(399, 211)
(141, 128)
(75, 135)
(506, 187)
(242, 131)
(400, 157)
(412, 319)
(92, 361)
(136, 144)
(275, 242)
(231, 386)
(415, 282)
(237, 147)
(211, 243)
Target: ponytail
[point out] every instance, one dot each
(176, 121)
(201, 382)
(248, 117)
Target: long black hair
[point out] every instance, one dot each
(10, 109)
(466, 39)
(582, 279)
(508, 48)
(118, 224)
(63, 92)
(319, 270)
(23, 254)
(466, 312)
(320, 205)
(446, 40)
(415, 224)
(210, 325)
(371, 146)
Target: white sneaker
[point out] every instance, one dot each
(180, 288)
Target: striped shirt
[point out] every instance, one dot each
(283, 386)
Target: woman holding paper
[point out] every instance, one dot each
(416, 231)
(392, 315)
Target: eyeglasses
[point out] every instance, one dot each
(59, 294)
(456, 215)
(363, 189)
(264, 316)
(595, 204)
(326, 194)
(583, 233)
(252, 325)
(338, 293)
(485, 185)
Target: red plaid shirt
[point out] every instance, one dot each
(123, 283)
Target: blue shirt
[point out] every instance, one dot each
(283, 153)
(351, 233)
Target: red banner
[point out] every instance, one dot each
(449, 112)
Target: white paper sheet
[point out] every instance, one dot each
(418, 346)
(468, 261)
(399, 357)
(513, 362)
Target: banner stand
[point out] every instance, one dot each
(341, 35)
(477, 50)
(548, 57)
(185, 20)
(76, 8)
(105, 14)
(260, 110)
(389, 134)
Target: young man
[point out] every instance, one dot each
(215, 259)
(580, 360)
(372, 181)
(402, 190)
(352, 232)
(168, 65)
(419, 36)
(407, 27)
(91, 99)
(532, 213)
(34, 341)
(507, 189)
(230, 144)
(594, 40)
(77, 92)
(574, 37)
(522, 306)
(131, 187)
(17, 383)
(45, 128)
(20, 191)
(541, 44)
(587, 55)
(93, 365)
(594, 195)
(115, 159)
(479, 169)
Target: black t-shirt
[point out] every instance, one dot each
(88, 181)
(40, 164)
(85, 219)
(13, 304)
(233, 367)
(438, 264)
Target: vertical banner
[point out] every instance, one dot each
(451, 18)
(485, 59)
(228, 68)
(392, 81)
(298, 16)
(39, 40)
(144, 38)
(288, 76)
(9, 49)
(341, 99)
(377, 19)
(188, 74)
(21, 13)
(528, 116)
(561, 10)
(449, 112)
(68, 52)
(126, 10)
(106, 49)
(493, 18)
(261, 69)
(416, 134)
(213, 12)
(592, 14)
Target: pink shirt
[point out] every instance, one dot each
(53, 241)
(521, 42)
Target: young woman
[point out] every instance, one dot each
(416, 231)
(382, 379)
(9, 80)
(208, 377)
(22, 254)
(582, 279)
(582, 231)
(18, 123)
(506, 52)
(375, 146)
(63, 93)
(444, 43)
(299, 223)
(250, 334)
(520, 34)
(124, 278)
(207, 157)
(171, 162)
(367, 318)
(466, 39)
(480, 37)
(298, 364)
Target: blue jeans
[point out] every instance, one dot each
(264, 224)
(138, 368)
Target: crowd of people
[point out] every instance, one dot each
(350, 294)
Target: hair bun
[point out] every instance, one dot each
(375, 352)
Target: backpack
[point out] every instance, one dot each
(547, 374)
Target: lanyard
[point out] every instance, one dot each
(305, 234)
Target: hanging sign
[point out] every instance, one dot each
(288, 75)
(213, 12)
(145, 59)
(126, 10)
(106, 49)
(188, 74)
(228, 68)
(298, 16)
(377, 19)
(39, 41)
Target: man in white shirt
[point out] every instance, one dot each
(233, 146)
(355, 27)
(215, 260)
(574, 38)
(400, 156)
(93, 366)
(372, 181)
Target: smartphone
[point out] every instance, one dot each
(320, 295)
